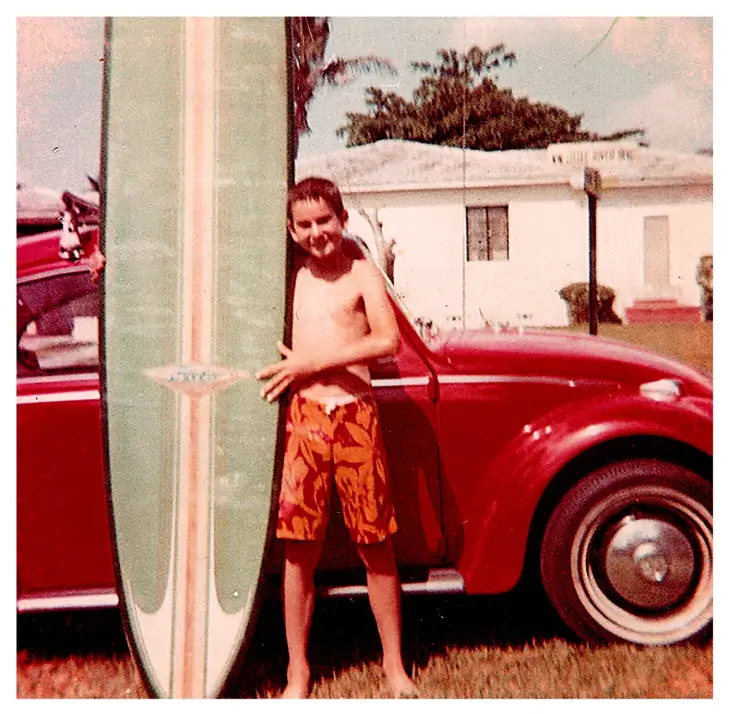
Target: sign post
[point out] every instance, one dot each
(592, 186)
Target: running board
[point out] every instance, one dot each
(67, 601)
(440, 581)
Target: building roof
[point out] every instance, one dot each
(406, 165)
(38, 203)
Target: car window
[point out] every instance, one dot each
(425, 329)
(57, 324)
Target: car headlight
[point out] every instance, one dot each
(663, 390)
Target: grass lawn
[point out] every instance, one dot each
(457, 647)
(689, 343)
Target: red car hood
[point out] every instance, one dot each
(39, 253)
(572, 356)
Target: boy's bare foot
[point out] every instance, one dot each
(400, 683)
(295, 691)
(297, 685)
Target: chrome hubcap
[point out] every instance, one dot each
(649, 562)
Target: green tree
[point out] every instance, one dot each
(310, 70)
(458, 104)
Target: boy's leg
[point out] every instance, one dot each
(301, 559)
(384, 594)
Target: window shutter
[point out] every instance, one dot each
(498, 233)
(476, 231)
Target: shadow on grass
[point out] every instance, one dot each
(48, 636)
(343, 635)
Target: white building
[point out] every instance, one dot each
(495, 235)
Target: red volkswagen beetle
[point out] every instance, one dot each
(582, 462)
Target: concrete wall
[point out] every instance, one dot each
(548, 234)
(548, 250)
(621, 255)
(428, 231)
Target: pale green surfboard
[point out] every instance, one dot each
(196, 165)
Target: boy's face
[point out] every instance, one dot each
(316, 227)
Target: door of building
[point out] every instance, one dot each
(656, 252)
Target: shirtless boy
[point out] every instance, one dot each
(342, 321)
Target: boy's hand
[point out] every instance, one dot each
(282, 374)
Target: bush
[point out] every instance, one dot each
(576, 297)
(704, 280)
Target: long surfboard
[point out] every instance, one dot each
(195, 168)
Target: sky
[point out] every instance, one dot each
(649, 72)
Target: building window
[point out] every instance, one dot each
(487, 233)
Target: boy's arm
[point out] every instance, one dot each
(382, 340)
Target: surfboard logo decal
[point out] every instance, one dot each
(197, 379)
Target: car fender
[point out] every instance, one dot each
(495, 540)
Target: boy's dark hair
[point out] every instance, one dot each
(315, 188)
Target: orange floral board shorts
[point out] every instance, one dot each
(340, 443)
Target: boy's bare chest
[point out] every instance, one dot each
(319, 301)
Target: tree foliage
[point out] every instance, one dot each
(457, 103)
(310, 69)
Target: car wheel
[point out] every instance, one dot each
(627, 554)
